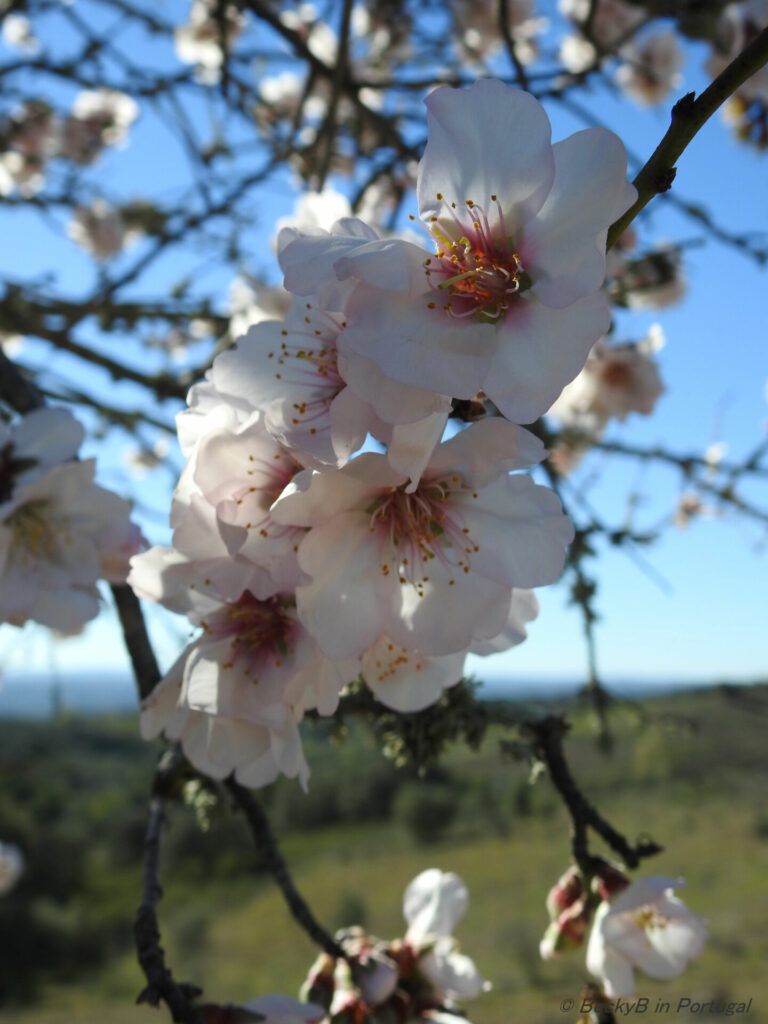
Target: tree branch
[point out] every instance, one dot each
(268, 846)
(688, 116)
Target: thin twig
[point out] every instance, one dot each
(688, 116)
(268, 846)
(161, 986)
(547, 735)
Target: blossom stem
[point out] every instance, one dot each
(547, 734)
(689, 115)
(268, 846)
(161, 986)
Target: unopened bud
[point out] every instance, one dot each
(565, 892)
(568, 931)
(608, 881)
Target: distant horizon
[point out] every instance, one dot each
(39, 695)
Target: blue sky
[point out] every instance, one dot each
(693, 606)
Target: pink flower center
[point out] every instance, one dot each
(258, 631)
(417, 528)
(476, 271)
(616, 374)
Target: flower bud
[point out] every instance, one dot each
(566, 891)
(608, 881)
(568, 931)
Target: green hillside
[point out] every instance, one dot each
(690, 770)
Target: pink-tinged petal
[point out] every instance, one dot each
(440, 617)
(682, 939)
(307, 258)
(605, 963)
(231, 743)
(412, 445)
(314, 497)
(486, 140)
(519, 530)
(485, 450)
(434, 903)
(381, 264)
(258, 771)
(289, 754)
(524, 607)
(341, 606)
(160, 710)
(66, 610)
(391, 400)
(635, 943)
(405, 680)
(351, 419)
(419, 345)
(644, 891)
(452, 973)
(564, 246)
(540, 350)
(246, 370)
(320, 683)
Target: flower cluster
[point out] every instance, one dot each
(639, 924)
(59, 531)
(416, 979)
(617, 380)
(747, 110)
(33, 134)
(309, 556)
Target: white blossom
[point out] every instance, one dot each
(645, 927)
(433, 904)
(510, 302)
(652, 68)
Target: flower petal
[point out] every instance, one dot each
(564, 246)
(540, 350)
(486, 140)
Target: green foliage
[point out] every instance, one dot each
(690, 770)
(426, 810)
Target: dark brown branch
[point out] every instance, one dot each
(267, 845)
(137, 642)
(161, 986)
(16, 389)
(511, 46)
(547, 735)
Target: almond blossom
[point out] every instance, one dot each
(59, 531)
(406, 680)
(236, 694)
(206, 36)
(57, 536)
(509, 303)
(616, 381)
(99, 118)
(652, 68)
(646, 927)
(415, 979)
(432, 569)
(611, 22)
(240, 473)
(295, 373)
(100, 230)
(433, 904)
